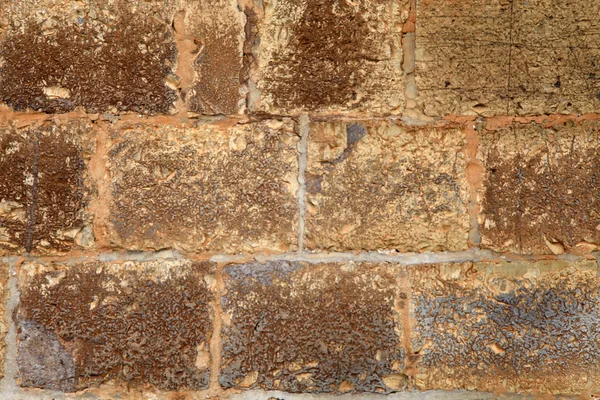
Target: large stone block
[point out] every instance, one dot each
(498, 57)
(380, 185)
(45, 187)
(121, 55)
(210, 188)
(329, 56)
(137, 322)
(312, 328)
(509, 327)
(541, 190)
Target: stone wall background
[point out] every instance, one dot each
(295, 199)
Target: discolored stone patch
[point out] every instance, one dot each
(137, 322)
(211, 188)
(498, 57)
(541, 189)
(330, 56)
(312, 328)
(508, 327)
(380, 185)
(45, 187)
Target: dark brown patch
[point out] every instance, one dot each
(104, 65)
(328, 47)
(552, 196)
(127, 326)
(499, 333)
(310, 329)
(43, 185)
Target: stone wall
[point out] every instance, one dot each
(295, 199)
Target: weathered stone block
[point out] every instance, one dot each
(517, 327)
(541, 188)
(211, 188)
(138, 322)
(4, 273)
(312, 328)
(329, 56)
(45, 187)
(379, 185)
(497, 57)
(121, 56)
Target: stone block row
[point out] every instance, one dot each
(331, 327)
(231, 187)
(493, 57)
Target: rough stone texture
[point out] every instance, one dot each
(330, 56)
(380, 185)
(312, 328)
(3, 317)
(45, 187)
(121, 55)
(211, 188)
(499, 57)
(517, 327)
(137, 322)
(541, 191)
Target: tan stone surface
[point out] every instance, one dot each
(541, 191)
(4, 275)
(212, 188)
(143, 323)
(45, 187)
(497, 57)
(509, 327)
(379, 185)
(330, 56)
(298, 327)
(121, 56)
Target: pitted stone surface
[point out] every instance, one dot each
(45, 187)
(380, 185)
(143, 323)
(498, 57)
(121, 56)
(211, 188)
(510, 327)
(330, 56)
(541, 187)
(312, 328)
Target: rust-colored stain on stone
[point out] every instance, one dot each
(541, 188)
(206, 188)
(45, 189)
(311, 328)
(509, 327)
(117, 61)
(380, 185)
(331, 56)
(137, 322)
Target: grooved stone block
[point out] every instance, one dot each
(45, 187)
(121, 55)
(499, 57)
(379, 185)
(329, 56)
(211, 188)
(541, 191)
(137, 322)
(509, 327)
(312, 328)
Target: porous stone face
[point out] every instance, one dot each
(541, 188)
(379, 185)
(45, 187)
(138, 322)
(120, 56)
(497, 57)
(329, 56)
(211, 188)
(517, 327)
(312, 328)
